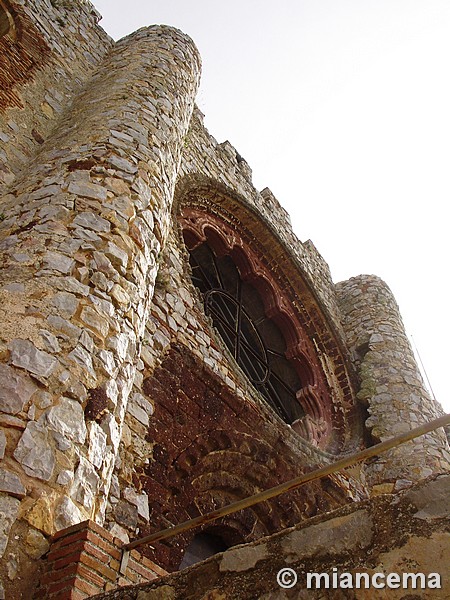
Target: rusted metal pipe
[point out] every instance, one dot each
(293, 484)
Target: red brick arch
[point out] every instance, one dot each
(211, 448)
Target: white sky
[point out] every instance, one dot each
(342, 109)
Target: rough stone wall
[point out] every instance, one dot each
(51, 51)
(391, 384)
(403, 533)
(81, 236)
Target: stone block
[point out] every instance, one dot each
(25, 355)
(85, 484)
(50, 341)
(66, 303)
(139, 500)
(80, 356)
(2, 443)
(11, 484)
(66, 514)
(55, 261)
(111, 429)
(116, 255)
(35, 453)
(90, 220)
(9, 508)
(15, 390)
(94, 321)
(331, 537)
(243, 558)
(431, 500)
(36, 544)
(97, 444)
(67, 419)
(41, 514)
(126, 514)
(87, 189)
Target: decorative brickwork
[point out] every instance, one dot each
(211, 448)
(85, 559)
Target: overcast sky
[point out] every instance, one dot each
(342, 109)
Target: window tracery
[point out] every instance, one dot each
(257, 324)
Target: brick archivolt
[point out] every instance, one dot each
(312, 345)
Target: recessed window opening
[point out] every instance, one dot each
(203, 546)
(255, 341)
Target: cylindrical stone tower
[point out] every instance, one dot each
(391, 384)
(81, 233)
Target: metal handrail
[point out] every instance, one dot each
(287, 486)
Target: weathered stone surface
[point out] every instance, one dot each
(119, 532)
(139, 500)
(11, 484)
(85, 484)
(43, 399)
(25, 355)
(243, 559)
(111, 429)
(15, 390)
(80, 356)
(56, 261)
(94, 321)
(89, 220)
(34, 451)
(432, 502)
(66, 303)
(120, 296)
(65, 477)
(9, 508)
(67, 418)
(50, 341)
(41, 514)
(64, 326)
(122, 164)
(126, 514)
(66, 514)
(331, 537)
(36, 544)
(87, 190)
(97, 444)
(116, 255)
(2, 443)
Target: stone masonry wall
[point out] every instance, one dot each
(391, 384)
(53, 50)
(80, 241)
